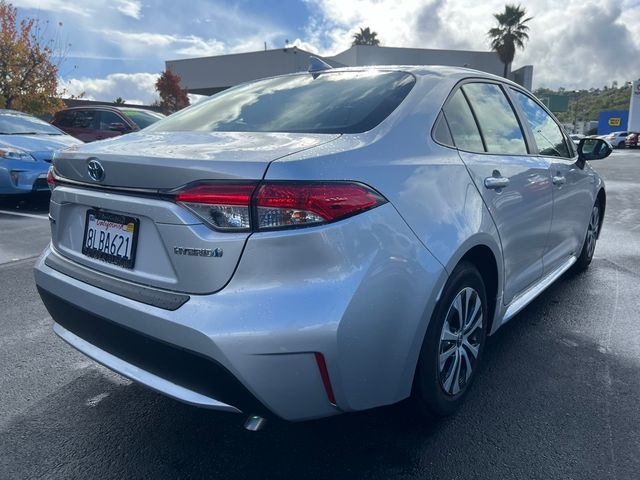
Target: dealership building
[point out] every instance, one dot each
(209, 75)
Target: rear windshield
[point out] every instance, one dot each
(332, 102)
(142, 119)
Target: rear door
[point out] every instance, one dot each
(84, 125)
(572, 186)
(514, 182)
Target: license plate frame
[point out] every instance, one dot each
(127, 262)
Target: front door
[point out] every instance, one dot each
(572, 186)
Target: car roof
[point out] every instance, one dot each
(452, 73)
(106, 107)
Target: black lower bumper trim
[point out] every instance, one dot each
(139, 293)
(183, 367)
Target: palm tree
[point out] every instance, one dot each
(365, 37)
(511, 33)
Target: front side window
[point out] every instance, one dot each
(546, 132)
(498, 122)
(329, 102)
(107, 118)
(464, 129)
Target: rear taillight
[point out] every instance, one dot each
(224, 206)
(51, 179)
(281, 204)
(276, 205)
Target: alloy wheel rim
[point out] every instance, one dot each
(592, 231)
(460, 341)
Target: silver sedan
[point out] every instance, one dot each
(321, 242)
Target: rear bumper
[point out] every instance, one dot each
(360, 292)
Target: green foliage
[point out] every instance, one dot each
(510, 34)
(119, 101)
(587, 104)
(366, 37)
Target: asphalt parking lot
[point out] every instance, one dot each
(559, 397)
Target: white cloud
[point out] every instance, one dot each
(53, 6)
(133, 87)
(130, 8)
(574, 43)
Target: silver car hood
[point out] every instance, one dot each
(171, 159)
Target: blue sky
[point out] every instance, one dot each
(118, 47)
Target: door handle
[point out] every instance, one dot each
(559, 180)
(494, 183)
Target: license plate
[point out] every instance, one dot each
(111, 238)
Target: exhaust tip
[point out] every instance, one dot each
(255, 423)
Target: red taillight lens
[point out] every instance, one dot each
(229, 206)
(224, 206)
(51, 179)
(281, 204)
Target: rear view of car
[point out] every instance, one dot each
(318, 243)
(27, 145)
(632, 140)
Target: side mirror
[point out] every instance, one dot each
(117, 127)
(593, 149)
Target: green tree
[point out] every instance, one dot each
(511, 33)
(28, 71)
(366, 37)
(119, 101)
(172, 96)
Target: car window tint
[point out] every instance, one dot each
(498, 122)
(142, 119)
(546, 132)
(107, 118)
(64, 119)
(441, 133)
(329, 102)
(464, 129)
(84, 119)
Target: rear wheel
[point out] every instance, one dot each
(621, 145)
(589, 245)
(453, 346)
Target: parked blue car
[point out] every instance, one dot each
(27, 145)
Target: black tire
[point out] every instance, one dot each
(591, 238)
(622, 145)
(433, 395)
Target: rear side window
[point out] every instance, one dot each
(84, 119)
(498, 122)
(464, 129)
(329, 102)
(546, 132)
(64, 119)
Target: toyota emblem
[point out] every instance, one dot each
(96, 171)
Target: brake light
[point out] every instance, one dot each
(293, 204)
(51, 179)
(233, 206)
(224, 206)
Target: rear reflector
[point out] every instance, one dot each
(324, 374)
(276, 205)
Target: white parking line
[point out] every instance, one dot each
(28, 215)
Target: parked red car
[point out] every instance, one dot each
(632, 140)
(100, 122)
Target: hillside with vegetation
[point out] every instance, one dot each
(587, 104)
